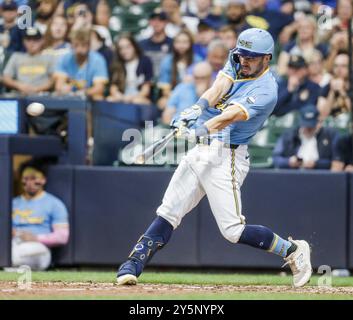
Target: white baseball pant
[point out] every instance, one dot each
(213, 170)
(33, 254)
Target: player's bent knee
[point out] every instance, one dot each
(233, 233)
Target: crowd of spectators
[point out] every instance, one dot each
(70, 49)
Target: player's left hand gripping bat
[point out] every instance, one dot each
(156, 147)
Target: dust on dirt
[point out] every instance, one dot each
(9, 290)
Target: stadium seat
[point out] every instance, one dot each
(131, 19)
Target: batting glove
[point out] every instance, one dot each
(187, 117)
(192, 134)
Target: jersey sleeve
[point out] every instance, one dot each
(256, 102)
(229, 71)
(59, 214)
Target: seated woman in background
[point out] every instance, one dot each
(304, 45)
(55, 38)
(131, 73)
(316, 69)
(174, 65)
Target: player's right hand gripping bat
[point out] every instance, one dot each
(156, 147)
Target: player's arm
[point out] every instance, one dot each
(59, 236)
(220, 87)
(96, 92)
(209, 98)
(243, 109)
(232, 113)
(60, 84)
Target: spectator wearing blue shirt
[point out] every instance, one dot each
(39, 220)
(309, 146)
(159, 44)
(132, 73)
(174, 66)
(186, 94)
(296, 91)
(81, 71)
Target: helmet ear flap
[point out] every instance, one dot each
(235, 57)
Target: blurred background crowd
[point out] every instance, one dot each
(167, 53)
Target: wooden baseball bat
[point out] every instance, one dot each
(155, 148)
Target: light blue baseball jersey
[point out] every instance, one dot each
(94, 69)
(38, 215)
(256, 96)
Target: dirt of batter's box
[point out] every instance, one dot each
(10, 290)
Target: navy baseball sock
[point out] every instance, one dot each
(160, 227)
(263, 238)
(155, 237)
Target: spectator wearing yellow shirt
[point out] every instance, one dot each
(30, 72)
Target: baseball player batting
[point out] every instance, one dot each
(223, 121)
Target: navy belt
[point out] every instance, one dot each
(208, 141)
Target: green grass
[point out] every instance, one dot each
(205, 278)
(190, 278)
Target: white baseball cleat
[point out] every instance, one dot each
(299, 263)
(127, 279)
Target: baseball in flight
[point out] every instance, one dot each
(35, 109)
